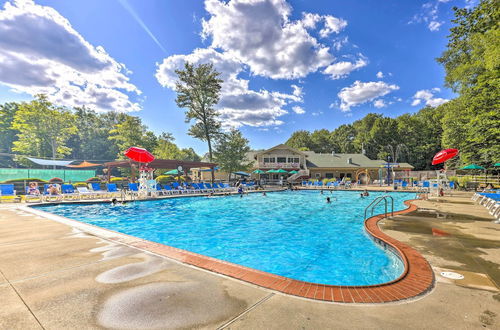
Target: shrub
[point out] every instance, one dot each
(25, 179)
(94, 179)
(162, 179)
(464, 181)
(117, 179)
(56, 180)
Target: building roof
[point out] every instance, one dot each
(281, 146)
(315, 160)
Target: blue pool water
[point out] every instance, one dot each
(294, 234)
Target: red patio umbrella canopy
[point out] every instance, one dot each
(444, 155)
(140, 155)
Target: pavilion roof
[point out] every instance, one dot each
(161, 163)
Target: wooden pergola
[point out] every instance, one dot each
(157, 163)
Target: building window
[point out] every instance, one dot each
(266, 160)
(342, 175)
(290, 159)
(296, 160)
(281, 159)
(349, 175)
(272, 160)
(329, 175)
(318, 175)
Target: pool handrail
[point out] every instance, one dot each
(376, 201)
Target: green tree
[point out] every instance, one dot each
(322, 141)
(43, 129)
(198, 90)
(300, 140)
(7, 134)
(92, 139)
(343, 139)
(130, 132)
(167, 149)
(471, 122)
(231, 152)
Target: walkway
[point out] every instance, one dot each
(54, 276)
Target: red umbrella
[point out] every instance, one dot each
(444, 155)
(140, 155)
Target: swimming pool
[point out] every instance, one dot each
(295, 234)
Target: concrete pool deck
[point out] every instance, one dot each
(54, 276)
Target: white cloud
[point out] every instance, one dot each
(362, 92)
(40, 52)
(380, 75)
(427, 97)
(340, 42)
(342, 69)
(298, 110)
(261, 34)
(257, 37)
(332, 25)
(297, 92)
(379, 104)
(316, 114)
(238, 104)
(434, 25)
(429, 15)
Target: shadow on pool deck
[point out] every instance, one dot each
(56, 277)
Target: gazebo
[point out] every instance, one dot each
(180, 165)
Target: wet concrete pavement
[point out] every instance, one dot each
(54, 276)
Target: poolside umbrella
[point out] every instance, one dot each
(444, 155)
(172, 172)
(473, 167)
(293, 172)
(84, 164)
(496, 165)
(271, 171)
(281, 171)
(140, 155)
(259, 172)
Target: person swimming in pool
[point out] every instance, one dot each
(328, 200)
(264, 193)
(365, 193)
(362, 195)
(115, 201)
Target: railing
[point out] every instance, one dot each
(377, 201)
(297, 175)
(278, 165)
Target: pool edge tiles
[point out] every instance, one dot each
(416, 279)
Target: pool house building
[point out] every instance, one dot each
(310, 165)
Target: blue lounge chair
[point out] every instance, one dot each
(32, 197)
(95, 187)
(133, 188)
(112, 189)
(161, 191)
(169, 189)
(178, 188)
(68, 190)
(404, 184)
(7, 190)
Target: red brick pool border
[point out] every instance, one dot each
(417, 277)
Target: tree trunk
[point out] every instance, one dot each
(210, 156)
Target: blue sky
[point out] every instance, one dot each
(288, 65)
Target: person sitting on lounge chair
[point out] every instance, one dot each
(53, 189)
(33, 189)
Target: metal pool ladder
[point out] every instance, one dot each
(377, 201)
